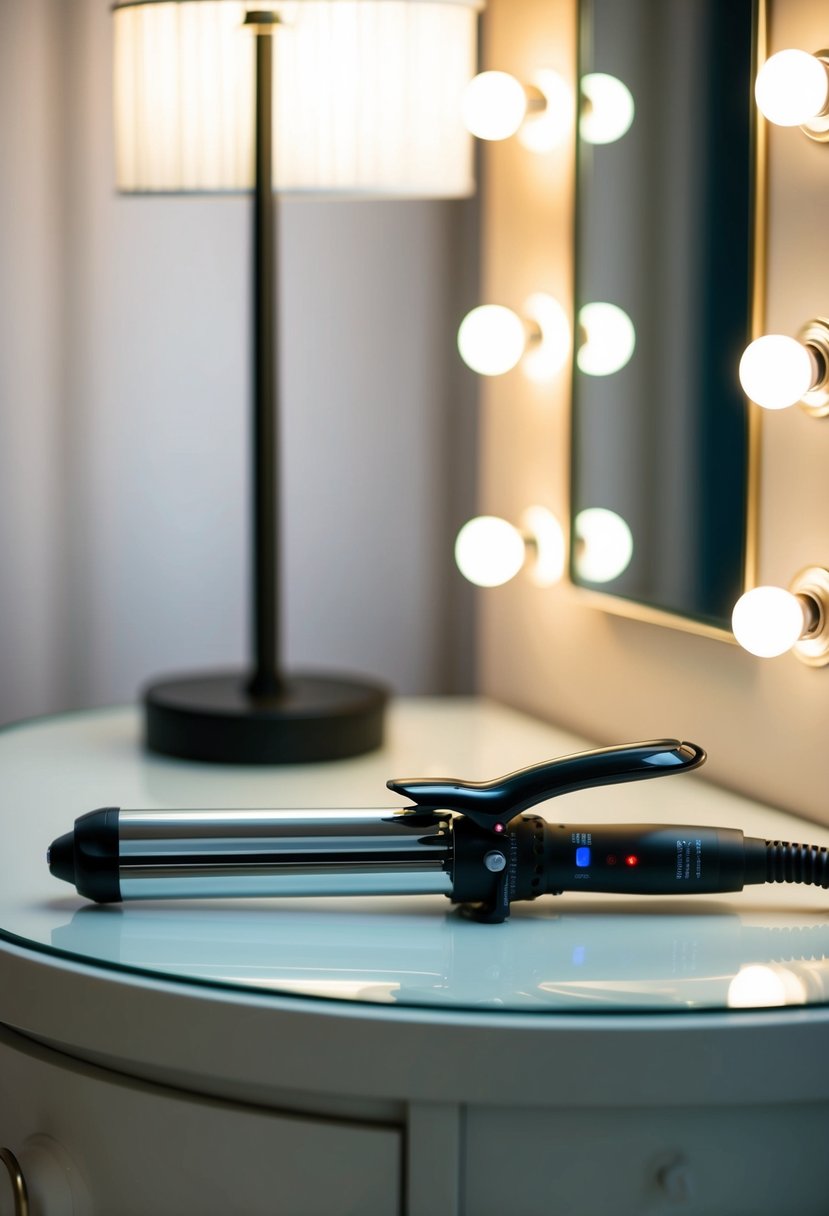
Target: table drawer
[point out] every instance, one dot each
(140, 1148)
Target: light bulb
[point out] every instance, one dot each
(547, 127)
(758, 986)
(547, 538)
(767, 621)
(493, 105)
(489, 551)
(605, 545)
(491, 339)
(547, 355)
(792, 87)
(610, 339)
(777, 371)
(608, 108)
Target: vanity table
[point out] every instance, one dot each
(330, 1056)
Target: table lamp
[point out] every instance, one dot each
(356, 98)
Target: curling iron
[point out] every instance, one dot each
(470, 841)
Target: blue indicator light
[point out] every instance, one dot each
(583, 856)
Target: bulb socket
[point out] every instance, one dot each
(811, 586)
(534, 332)
(537, 102)
(815, 337)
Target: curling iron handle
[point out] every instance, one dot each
(494, 804)
(651, 859)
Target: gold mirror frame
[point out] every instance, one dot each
(631, 609)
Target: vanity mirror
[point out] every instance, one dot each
(667, 252)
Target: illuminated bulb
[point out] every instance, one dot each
(610, 339)
(607, 109)
(604, 545)
(494, 105)
(550, 350)
(491, 339)
(757, 986)
(547, 127)
(546, 537)
(768, 621)
(489, 551)
(777, 371)
(792, 88)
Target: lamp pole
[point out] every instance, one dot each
(266, 682)
(263, 716)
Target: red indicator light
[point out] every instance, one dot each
(499, 827)
(631, 860)
(611, 859)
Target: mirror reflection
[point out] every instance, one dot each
(663, 302)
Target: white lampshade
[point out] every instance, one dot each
(367, 95)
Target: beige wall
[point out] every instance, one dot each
(547, 651)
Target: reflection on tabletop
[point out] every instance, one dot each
(584, 961)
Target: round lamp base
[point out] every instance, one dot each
(214, 718)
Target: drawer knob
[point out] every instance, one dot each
(21, 1195)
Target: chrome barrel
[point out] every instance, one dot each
(246, 854)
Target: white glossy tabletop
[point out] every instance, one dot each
(767, 946)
